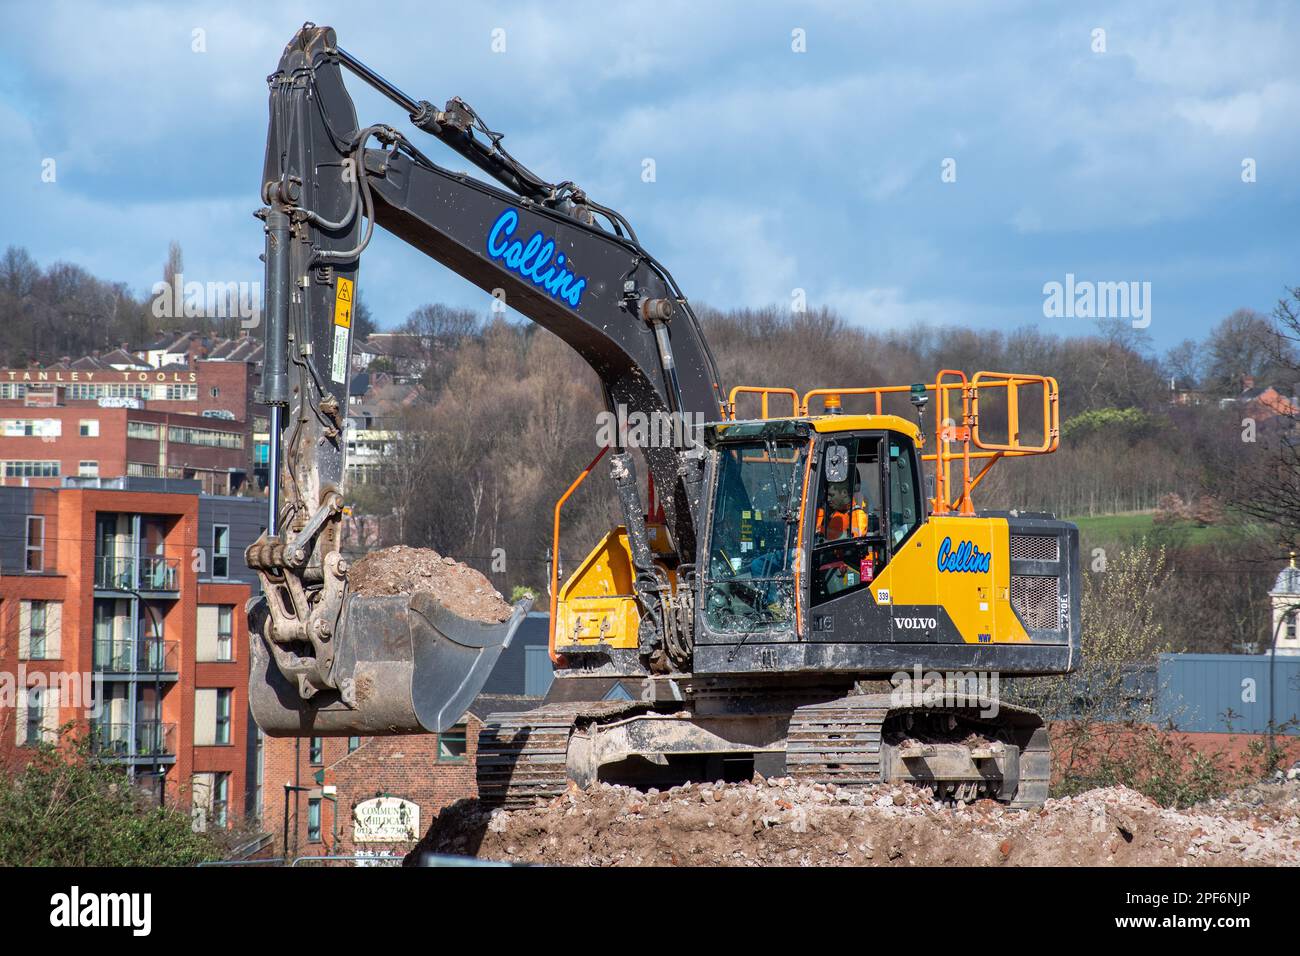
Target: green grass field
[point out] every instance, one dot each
(1102, 530)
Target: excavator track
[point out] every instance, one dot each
(522, 756)
(847, 741)
(837, 741)
(854, 741)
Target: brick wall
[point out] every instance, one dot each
(406, 767)
(108, 448)
(231, 380)
(232, 383)
(112, 449)
(1237, 755)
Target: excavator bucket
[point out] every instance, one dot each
(409, 665)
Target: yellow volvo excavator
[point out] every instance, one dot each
(804, 586)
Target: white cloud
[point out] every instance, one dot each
(775, 170)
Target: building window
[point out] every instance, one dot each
(88, 469)
(146, 430)
(36, 646)
(182, 393)
(152, 652)
(31, 469)
(32, 428)
(259, 772)
(221, 734)
(35, 543)
(215, 391)
(1291, 625)
(215, 633)
(316, 751)
(220, 551)
(313, 820)
(35, 716)
(209, 800)
(220, 798)
(207, 437)
(38, 631)
(353, 743)
(89, 428)
(225, 632)
(451, 745)
(212, 710)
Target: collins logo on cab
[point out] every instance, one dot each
(967, 558)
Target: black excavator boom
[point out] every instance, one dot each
(329, 662)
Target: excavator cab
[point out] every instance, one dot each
(801, 516)
(826, 553)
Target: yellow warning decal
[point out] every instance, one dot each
(343, 303)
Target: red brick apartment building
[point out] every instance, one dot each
(117, 415)
(122, 615)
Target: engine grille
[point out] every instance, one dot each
(1035, 547)
(1037, 599)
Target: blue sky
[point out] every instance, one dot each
(775, 170)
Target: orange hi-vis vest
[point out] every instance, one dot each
(851, 523)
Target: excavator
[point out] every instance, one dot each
(801, 587)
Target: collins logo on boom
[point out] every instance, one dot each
(533, 260)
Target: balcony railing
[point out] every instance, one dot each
(114, 573)
(148, 656)
(151, 738)
(136, 574)
(158, 574)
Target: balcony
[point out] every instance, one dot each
(147, 656)
(146, 739)
(146, 575)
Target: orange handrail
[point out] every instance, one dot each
(964, 428)
(944, 434)
(879, 391)
(763, 393)
(1012, 382)
(557, 659)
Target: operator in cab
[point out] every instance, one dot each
(842, 517)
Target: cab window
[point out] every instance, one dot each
(848, 539)
(749, 581)
(905, 508)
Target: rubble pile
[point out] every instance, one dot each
(779, 822)
(404, 570)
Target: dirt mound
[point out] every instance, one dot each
(780, 822)
(403, 570)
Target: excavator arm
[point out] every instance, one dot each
(328, 662)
